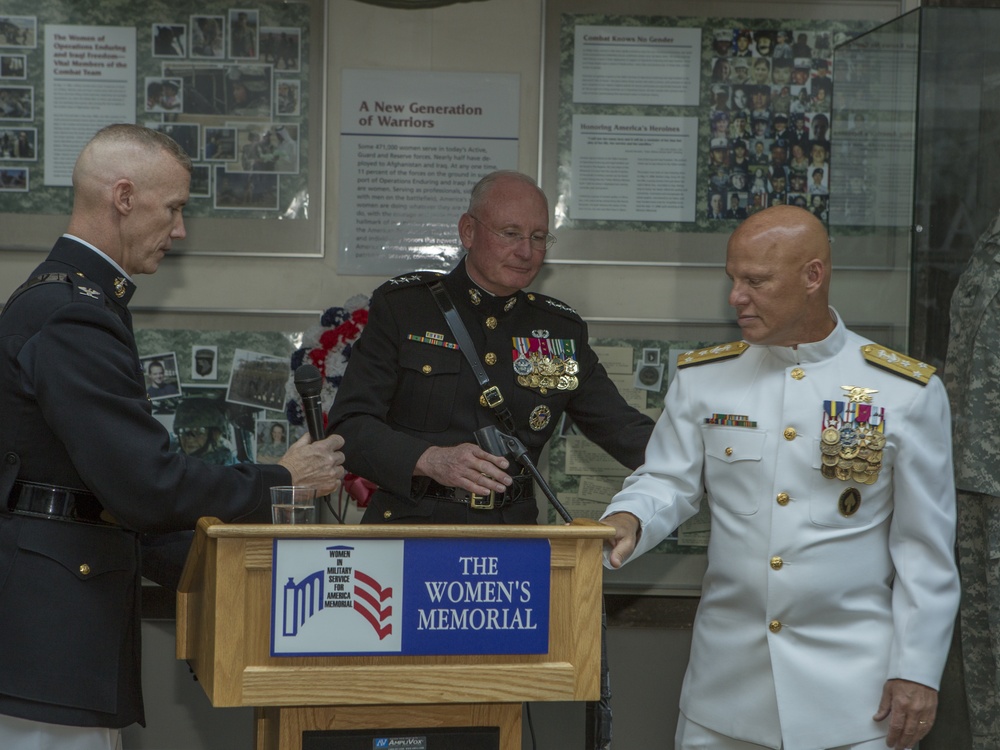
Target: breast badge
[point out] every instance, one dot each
(852, 439)
(539, 418)
(849, 502)
(545, 364)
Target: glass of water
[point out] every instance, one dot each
(293, 505)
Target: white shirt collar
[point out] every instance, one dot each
(104, 255)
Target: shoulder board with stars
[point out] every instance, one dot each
(717, 353)
(551, 303)
(411, 279)
(897, 363)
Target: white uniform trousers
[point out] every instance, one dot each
(23, 734)
(691, 736)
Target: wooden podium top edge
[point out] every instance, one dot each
(581, 528)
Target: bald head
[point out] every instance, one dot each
(481, 193)
(779, 263)
(129, 186)
(790, 231)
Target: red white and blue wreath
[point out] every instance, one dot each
(327, 346)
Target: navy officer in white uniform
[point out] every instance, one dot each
(831, 590)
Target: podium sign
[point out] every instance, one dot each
(427, 597)
(382, 635)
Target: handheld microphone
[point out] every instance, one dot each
(309, 384)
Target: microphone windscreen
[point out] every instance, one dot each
(308, 381)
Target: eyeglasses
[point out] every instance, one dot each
(511, 238)
(184, 432)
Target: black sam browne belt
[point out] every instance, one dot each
(60, 503)
(521, 491)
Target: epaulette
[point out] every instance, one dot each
(551, 303)
(411, 279)
(712, 354)
(900, 364)
(84, 288)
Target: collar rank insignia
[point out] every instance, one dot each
(86, 291)
(897, 363)
(121, 286)
(712, 354)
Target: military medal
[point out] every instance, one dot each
(545, 364)
(851, 441)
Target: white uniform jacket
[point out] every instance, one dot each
(818, 589)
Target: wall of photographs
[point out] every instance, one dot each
(673, 128)
(228, 81)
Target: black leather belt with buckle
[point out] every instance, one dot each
(521, 491)
(60, 503)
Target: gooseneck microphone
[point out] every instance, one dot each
(309, 384)
(599, 719)
(491, 440)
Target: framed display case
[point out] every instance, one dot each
(915, 158)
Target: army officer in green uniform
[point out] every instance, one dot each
(411, 400)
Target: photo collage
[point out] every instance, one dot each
(220, 422)
(229, 91)
(227, 84)
(769, 143)
(18, 136)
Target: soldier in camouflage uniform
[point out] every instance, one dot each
(971, 380)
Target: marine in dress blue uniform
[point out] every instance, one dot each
(408, 386)
(85, 466)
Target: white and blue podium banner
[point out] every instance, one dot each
(410, 597)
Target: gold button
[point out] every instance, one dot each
(729, 451)
(798, 373)
(426, 369)
(387, 514)
(774, 626)
(491, 322)
(85, 569)
(777, 562)
(531, 297)
(790, 433)
(783, 498)
(491, 358)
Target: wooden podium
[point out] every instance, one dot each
(224, 629)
